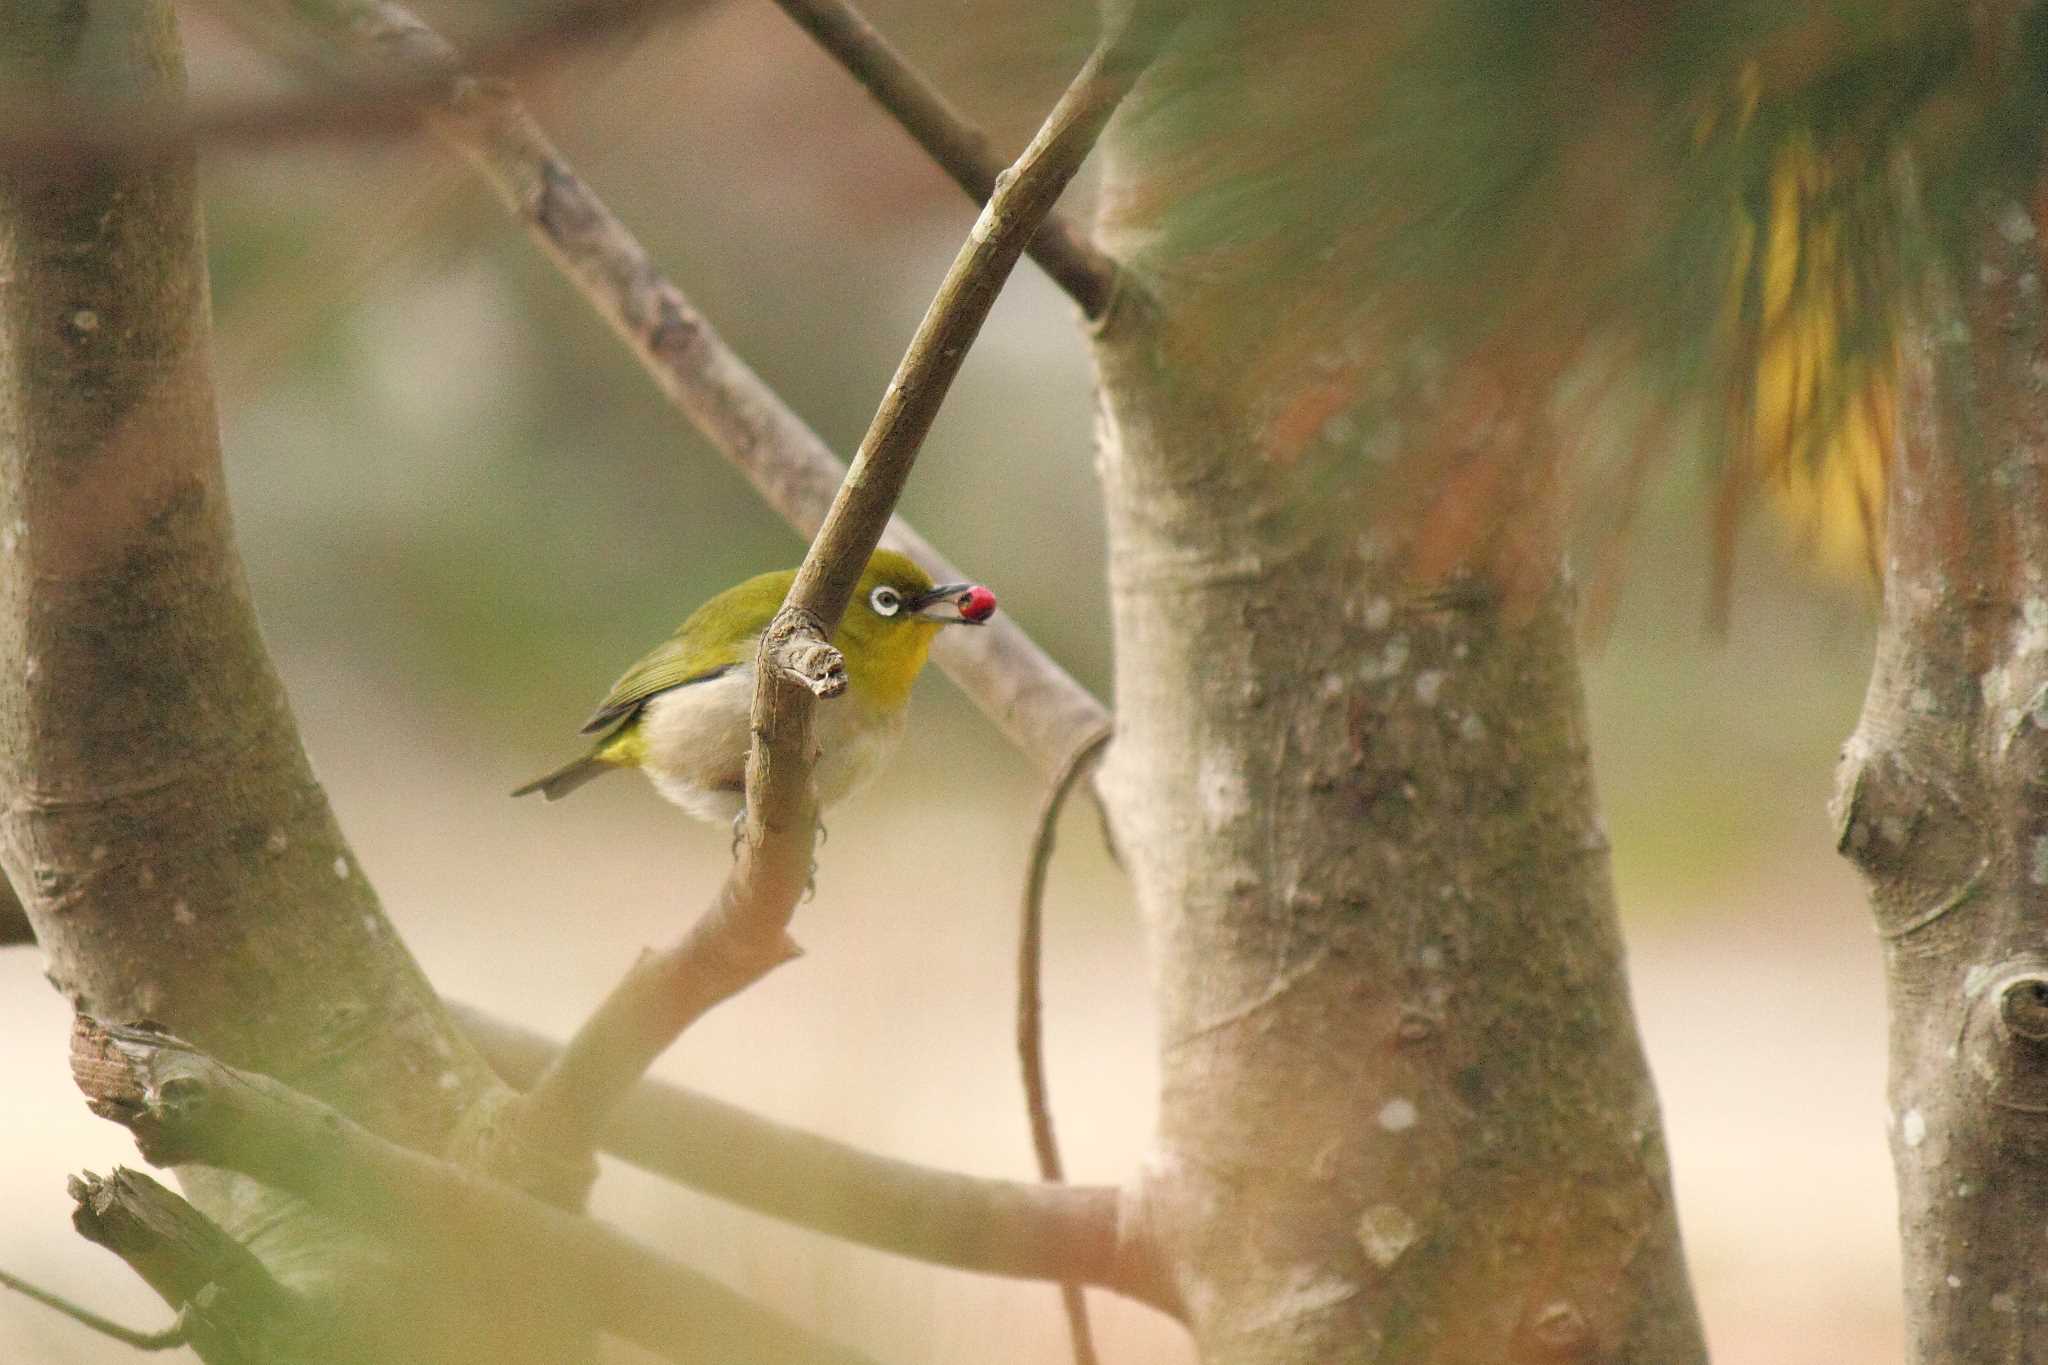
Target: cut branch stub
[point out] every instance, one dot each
(230, 1308)
(795, 646)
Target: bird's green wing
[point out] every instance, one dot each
(720, 636)
(661, 671)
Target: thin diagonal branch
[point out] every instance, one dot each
(1036, 703)
(40, 124)
(183, 1106)
(746, 932)
(961, 149)
(995, 1227)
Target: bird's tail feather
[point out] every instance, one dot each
(565, 779)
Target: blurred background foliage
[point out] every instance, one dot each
(464, 511)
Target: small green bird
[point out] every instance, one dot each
(682, 714)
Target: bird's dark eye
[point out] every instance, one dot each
(885, 601)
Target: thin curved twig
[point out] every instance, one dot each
(171, 1336)
(1045, 1142)
(353, 101)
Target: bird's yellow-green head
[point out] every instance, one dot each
(886, 634)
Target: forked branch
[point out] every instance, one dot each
(961, 150)
(745, 935)
(1036, 704)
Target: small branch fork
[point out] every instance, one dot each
(745, 934)
(961, 150)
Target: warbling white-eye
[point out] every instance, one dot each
(682, 714)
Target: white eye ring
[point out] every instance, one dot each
(885, 601)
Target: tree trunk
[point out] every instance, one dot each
(174, 853)
(1405, 1114)
(1942, 805)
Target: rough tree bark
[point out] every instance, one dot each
(1405, 1115)
(1942, 803)
(175, 855)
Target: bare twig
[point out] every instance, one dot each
(1031, 1012)
(960, 148)
(174, 1335)
(995, 1227)
(745, 934)
(1037, 705)
(183, 1106)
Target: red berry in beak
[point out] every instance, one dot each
(977, 604)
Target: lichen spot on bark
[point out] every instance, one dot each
(1386, 1231)
(1221, 788)
(1398, 1115)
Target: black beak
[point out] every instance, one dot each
(956, 604)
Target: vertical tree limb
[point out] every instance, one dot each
(1364, 840)
(173, 852)
(1941, 803)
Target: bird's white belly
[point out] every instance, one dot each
(697, 740)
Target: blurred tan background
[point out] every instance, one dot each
(464, 511)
